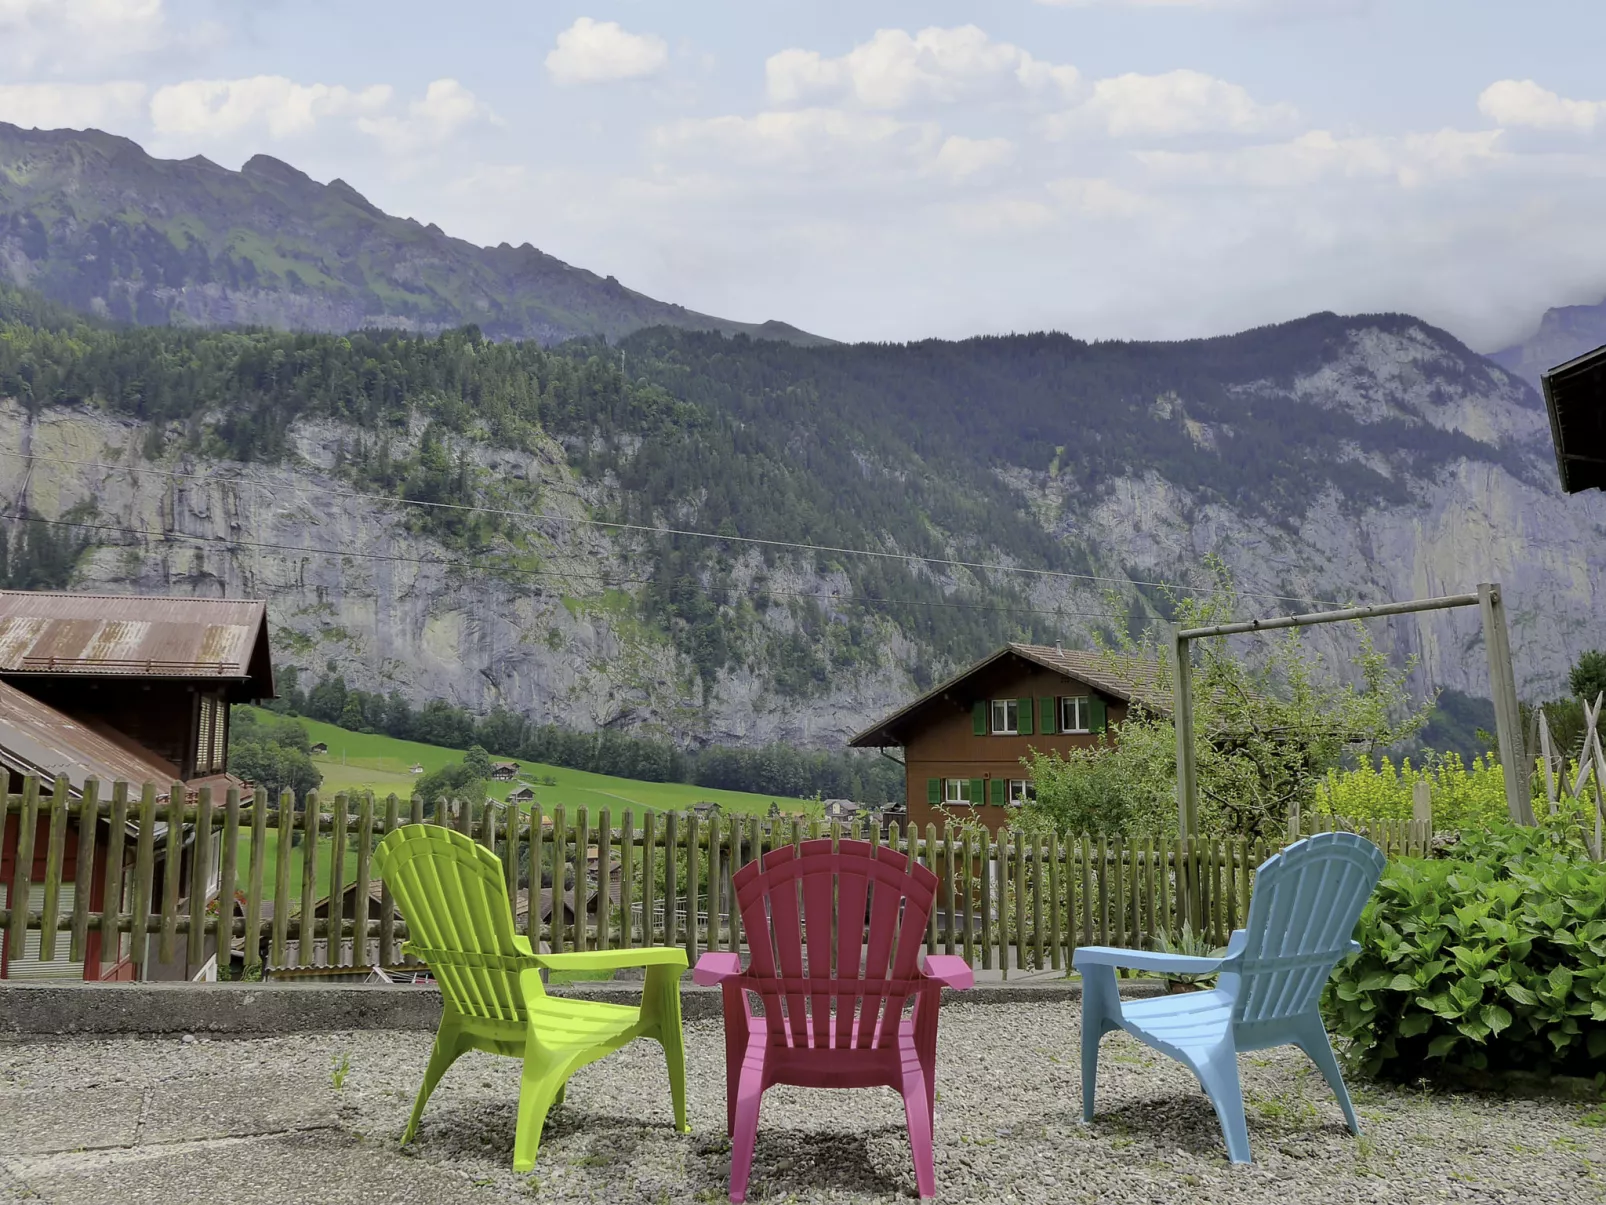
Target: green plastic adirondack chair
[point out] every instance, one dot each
(453, 896)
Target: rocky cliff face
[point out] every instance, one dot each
(348, 583)
(351, 581)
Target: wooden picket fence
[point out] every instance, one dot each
(1016, 901)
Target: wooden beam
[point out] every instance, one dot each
(1507, 712)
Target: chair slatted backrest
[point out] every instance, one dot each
(453, 895)
(1302, 919)
(835, 932)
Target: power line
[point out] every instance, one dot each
(648, 529)
(607, 579)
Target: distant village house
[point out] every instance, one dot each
(319, 749)
(505, 771)
(521, 795)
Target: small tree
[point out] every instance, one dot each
(478, 761)
(1266, 731)
(1588, 677)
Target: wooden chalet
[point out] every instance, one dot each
(319, 749)
(521, 795)
(504, 771)
(965, 742)
(1575, 396)
(119, 688)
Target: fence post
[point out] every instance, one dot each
(1507, 714)
(1422, 811)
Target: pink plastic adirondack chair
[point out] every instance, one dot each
(833, 1009)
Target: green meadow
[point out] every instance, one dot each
(358, 761)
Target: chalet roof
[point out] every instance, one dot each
(140, 636)
(35, 738)
(1129, 679)
(1575, 396)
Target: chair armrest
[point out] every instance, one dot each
(715, 967)
(1144, 960)
(950, 970)
(613, 960)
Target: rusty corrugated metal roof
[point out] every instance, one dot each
(136, 635)
(38, 739)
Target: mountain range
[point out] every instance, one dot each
(742, 539)
(91, 220)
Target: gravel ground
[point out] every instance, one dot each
(264, 1120)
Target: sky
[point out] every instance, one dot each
(882, 170)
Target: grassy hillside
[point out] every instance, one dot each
(359, 761)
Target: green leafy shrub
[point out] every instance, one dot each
(1491, 958)
(1464, 795)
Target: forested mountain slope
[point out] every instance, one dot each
(506, 523)
(92, 220)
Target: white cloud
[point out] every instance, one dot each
(1100, 198)
(272, 106)
(960, 158)
(1317, 156)
(591, 52)
(895, 69)
(280, 107)
(65, 37)
(803, 140)
(112, 106)
(1524, 103)
(445, 108)
(1174, 104)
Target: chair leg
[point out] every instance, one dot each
(917, 1112)
(1101, 1004)
(540, 1087)
(660, 1010)
(926, 1046)
(1218, 1075)
(675, 1057)
(449, 1045)
(1314, 1043)
(744, 1135)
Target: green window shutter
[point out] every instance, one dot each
(1096, 714)
(1023, 716)
(978, 718)
(976, 796)
(1047, 721)
(999, 789)
(933, 791)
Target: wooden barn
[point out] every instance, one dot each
(114, 688)
(965, 742)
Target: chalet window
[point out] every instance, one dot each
(1006, 717)
(956, 790)
(211, 735)
(1021, 791)
(1076, 714)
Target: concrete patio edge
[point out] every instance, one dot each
(266, 1009)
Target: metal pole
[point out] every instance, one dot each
(1182, 717)
(1507, 712)
(1188, 898)
(1305, 621)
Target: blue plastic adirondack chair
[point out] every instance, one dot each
(1307, 902)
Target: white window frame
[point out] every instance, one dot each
(956, 790)
(1079, 706)
(1021, 792)
(999, 714)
